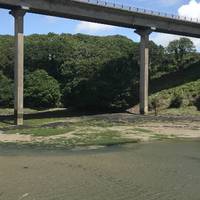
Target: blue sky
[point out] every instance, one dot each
(44, 24)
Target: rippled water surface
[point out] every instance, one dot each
(161, 170)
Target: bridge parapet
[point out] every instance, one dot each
(139, 10)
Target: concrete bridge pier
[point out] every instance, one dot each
(144, 69)
(18, 15)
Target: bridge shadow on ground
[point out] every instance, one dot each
(54, 114)
(174, 79)
(168, 81)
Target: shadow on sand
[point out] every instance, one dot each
(60, 113)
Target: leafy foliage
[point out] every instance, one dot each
(197, 103)
(41, 90)
(155, 104)
(176, 101)
(6, 91)
(106, 88)
(157, 58)
(7, 55)
(188, 93)
(181, 52)
(98, 73)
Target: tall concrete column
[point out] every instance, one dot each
(18, 15)
(144, 69)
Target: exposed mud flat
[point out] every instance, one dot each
(158, 170)
(140, 132)
(96, 131)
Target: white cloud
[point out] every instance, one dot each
(192, 9)
(52, 19)
(165, 39)
(89, 27)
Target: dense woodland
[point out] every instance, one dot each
(99, 73)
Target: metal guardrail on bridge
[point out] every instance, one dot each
(139, 10)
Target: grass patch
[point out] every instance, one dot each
(183, 111)
(90, 137)
(87, 130)
(142, 130)
(41, 131)
(105, 138)
(188, 91)
(163, 137)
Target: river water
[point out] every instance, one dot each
(159, 170)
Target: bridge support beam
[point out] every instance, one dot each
(18, 15)
(144, 69)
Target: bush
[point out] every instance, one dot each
(197, 103)
(41, 90)
(6, 91)
(103, 89)
(176, 101)
(155, 104)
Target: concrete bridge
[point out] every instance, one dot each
(144, 21)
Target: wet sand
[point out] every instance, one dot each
(159, 170)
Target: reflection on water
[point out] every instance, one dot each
(161, 170)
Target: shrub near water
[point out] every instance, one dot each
(197, 103)
(41, 90)
(176, 102)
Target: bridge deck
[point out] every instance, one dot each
(139, 10)
(112, 14)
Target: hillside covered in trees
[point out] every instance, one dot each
(99, 73)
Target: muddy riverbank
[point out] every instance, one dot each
(158, 170)
(101, 130)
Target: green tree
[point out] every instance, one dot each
(7, 55)
(157, 57)
(41, 90)
(99, 73)
(181, 52)
(92, 72)
(6, 91)
(108, 87)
